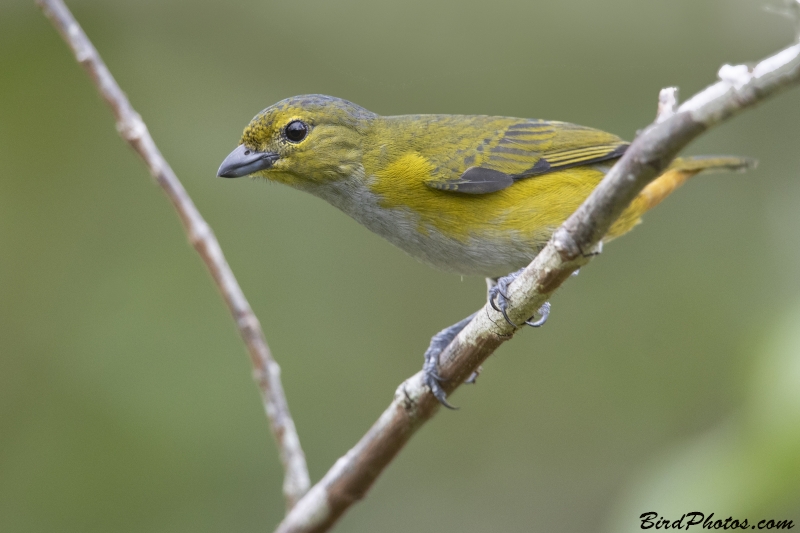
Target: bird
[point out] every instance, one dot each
(468, 194)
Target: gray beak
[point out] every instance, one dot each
(244, 161)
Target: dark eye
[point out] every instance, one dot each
(296, 131)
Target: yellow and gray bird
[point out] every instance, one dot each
(469, 194)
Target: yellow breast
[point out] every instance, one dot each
(528, 211)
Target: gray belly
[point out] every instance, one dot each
(477, 255)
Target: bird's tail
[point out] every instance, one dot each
(684, 168)
(678, 172)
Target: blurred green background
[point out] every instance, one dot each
(667, 379)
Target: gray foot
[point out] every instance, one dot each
(431, 366)
(499, 301)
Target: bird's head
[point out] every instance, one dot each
(302, 140)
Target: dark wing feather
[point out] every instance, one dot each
(475, 180)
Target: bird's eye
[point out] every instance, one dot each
(296, 131)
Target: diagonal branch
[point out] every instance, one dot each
(131, 127)
(571, 246)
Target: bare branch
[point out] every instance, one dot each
(571, 246)
(131, 127)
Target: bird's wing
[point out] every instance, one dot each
(526, 148)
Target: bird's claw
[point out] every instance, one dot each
(473, 378)
(499, 301)
(430, 368)
(544, 312)
(432, 380)
(498, 298)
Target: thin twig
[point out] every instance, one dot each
(131, 127)
(667, 103)
(571, 246)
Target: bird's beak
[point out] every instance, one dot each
(244, 161)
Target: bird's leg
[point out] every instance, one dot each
(499, 300)
(495, 289)
(431, 366)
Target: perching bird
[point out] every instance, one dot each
(469, 194)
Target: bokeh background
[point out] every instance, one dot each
(667, 379)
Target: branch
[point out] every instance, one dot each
(667, 103)
(130, 126)
(570, 247)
